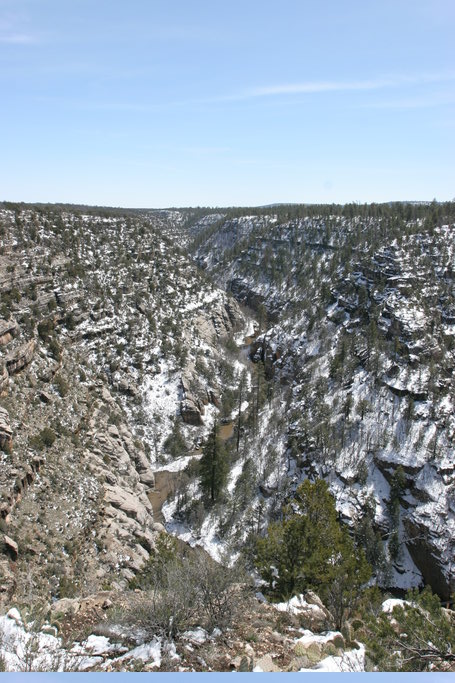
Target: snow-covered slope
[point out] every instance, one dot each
(357, 306)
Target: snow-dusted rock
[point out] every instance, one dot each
(308, 607)
(197, 635)
(14, 614)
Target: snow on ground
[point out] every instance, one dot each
(197, 635)
(389, 605)
(379, 487)
(95, 645)
(234, 474)
(320, 638)
(178, 464)
(201, 302)
(446, 406)
(405, 574)
(161, 400)
(412, 318)
(147, 652)
(25, 650)
(207, 539)
(296, 605)
(349, 661)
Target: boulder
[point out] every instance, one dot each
(18, 359)
(7, 581)
(71, 606)
(312, 650)
(190, 411)
(129, 504)
(158, 528)
(65, 606)
(44, 397)
(146, 475)
(299, 662)
(265, 664)
(8, 329)
(312, 599)
(128, 388)
(6, 433)
(4, 380)
(11, 547)
(101, 600)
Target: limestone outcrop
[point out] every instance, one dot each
(18, 359)
(8, 330)
(224, 320)
(4, 380)
(6, 433)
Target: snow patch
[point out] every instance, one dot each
(349, 661)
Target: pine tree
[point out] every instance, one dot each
(310, 549)
(214, 465)
(418, 636)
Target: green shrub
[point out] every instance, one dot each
(47, 436)
(54, 348)
(61, 385)
(44, 439)
(45, 328)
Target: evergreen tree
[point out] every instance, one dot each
(310, 549)
(175, 443)
(214, 465)
(418, 636)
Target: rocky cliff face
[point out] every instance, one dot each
(116, 354)
(107, 332)
(357, 316)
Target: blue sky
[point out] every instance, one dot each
(198, 102)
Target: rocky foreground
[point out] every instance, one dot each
(266, 638)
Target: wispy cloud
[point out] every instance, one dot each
(392, 83)
(314, 87)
